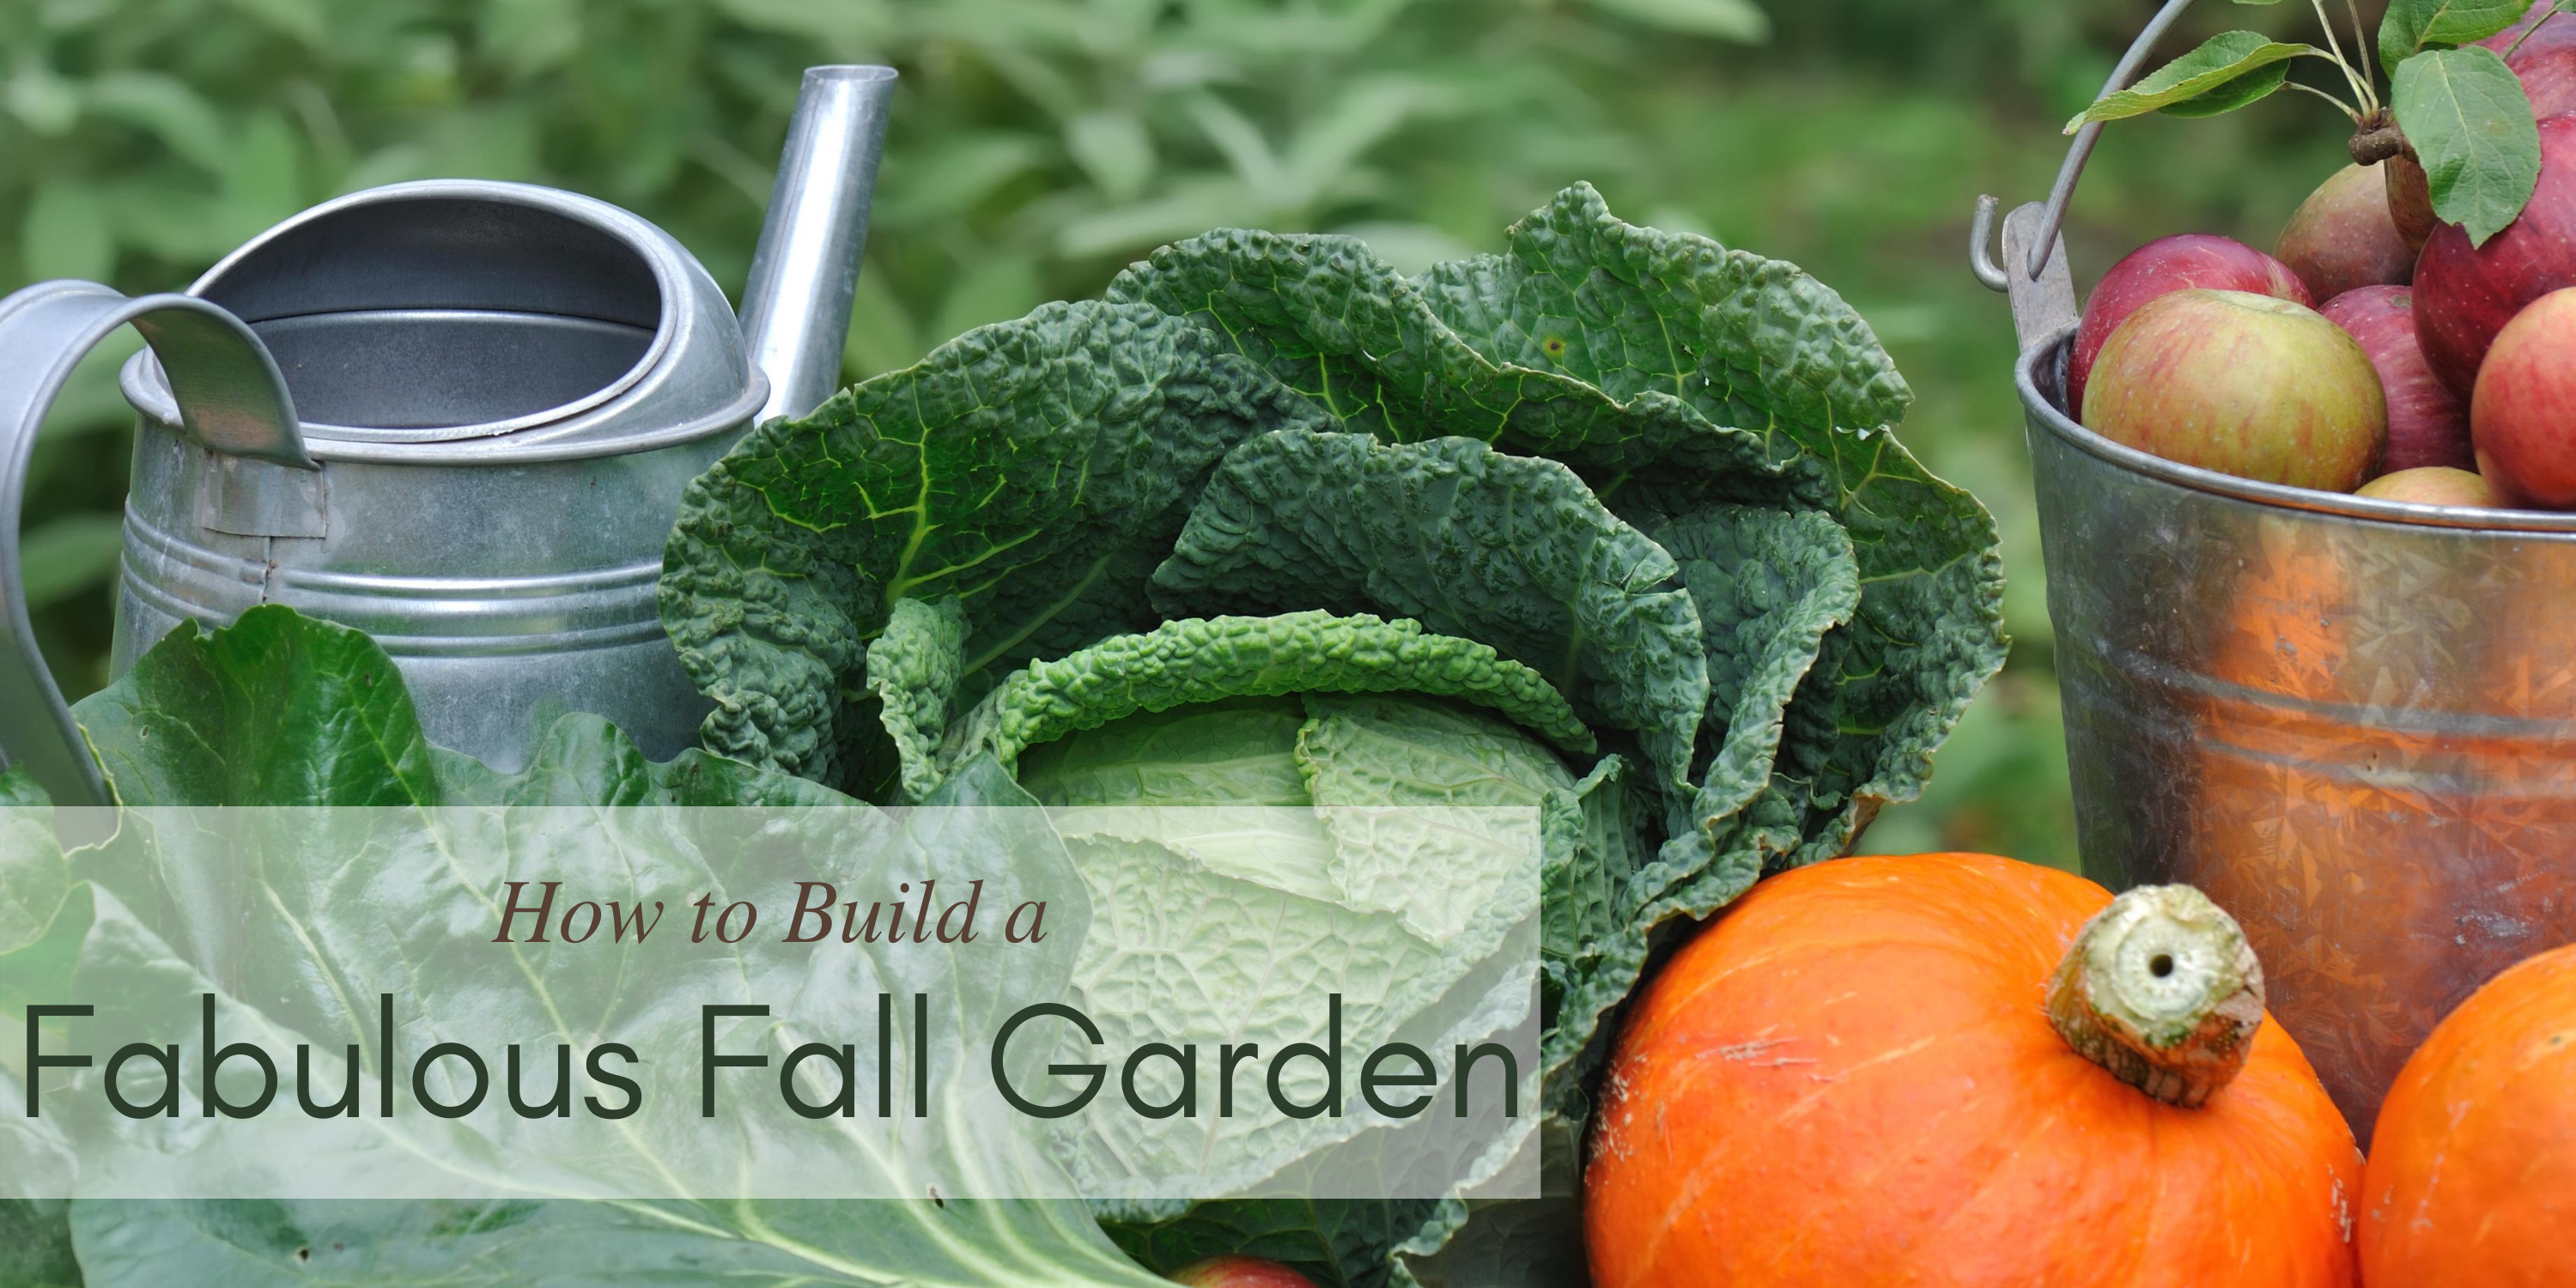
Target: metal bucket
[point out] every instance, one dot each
(2351, 722)
(457, 415)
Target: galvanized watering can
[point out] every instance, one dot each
(457, 415)
(2351, 722)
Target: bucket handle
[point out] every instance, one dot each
(232, 399)
(2033, 240)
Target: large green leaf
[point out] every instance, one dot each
(2470, 122)
(277, 709)
(337, 924)
(1508, 550)
(283, 709)
(1036, 470)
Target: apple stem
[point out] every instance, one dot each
(2379, 139)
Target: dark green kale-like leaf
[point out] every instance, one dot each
(1511, 551)
(1770, 585)
(914, 669)
(1330, 319)
(1206, 659)
(1036, 470)
(1636, 311)
(1760, 345)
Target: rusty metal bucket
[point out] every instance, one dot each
(2351, 722)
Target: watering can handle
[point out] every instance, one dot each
(231, 399)
(2034, 248)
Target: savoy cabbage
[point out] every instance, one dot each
(1613, 523)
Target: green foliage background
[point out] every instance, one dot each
(1039, 145)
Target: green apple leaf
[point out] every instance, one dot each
(2219, 61)
(2244, 91)
(2470, 123)
(2413, 26)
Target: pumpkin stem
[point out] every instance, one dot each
(2162, 990)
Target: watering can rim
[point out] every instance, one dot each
(2044, 412)
(678, 275)
(147, 389)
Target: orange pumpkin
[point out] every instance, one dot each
(1866, 1072)
(2472, 1176)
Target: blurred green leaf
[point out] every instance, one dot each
(946, 183)
(42, 101)
(1723, 19)
(305, 20)
(165, 108)
(531, 36)
(1194, 205)
(882, 334)
(265, 182)
(1114, 151)
(67, 556)
(840, 25)
(169, 218)
(66, 233)
(1326, 149)
(994, 288)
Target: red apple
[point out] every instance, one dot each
(1239, 1272)
(2343, 237)
(2465, 294)
(2249, 385)
(2546, 63)
(2436, 485)
(2191, 261)
(2524, 413)
(2427, 423)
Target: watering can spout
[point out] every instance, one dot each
(796, 305)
